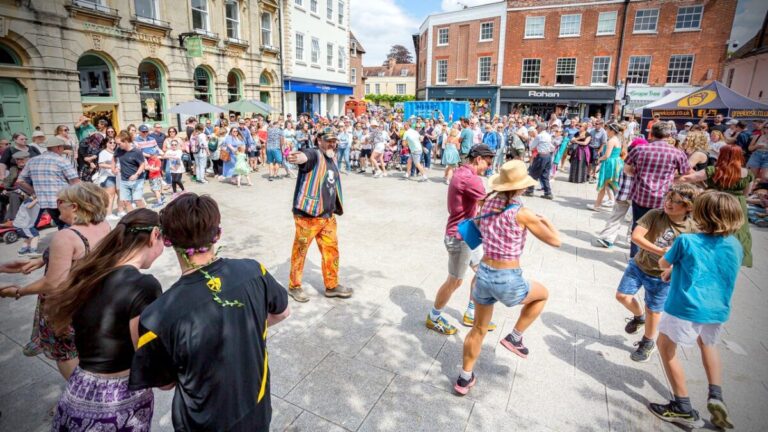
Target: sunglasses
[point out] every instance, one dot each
(60, 201)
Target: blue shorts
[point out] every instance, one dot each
(758, 160)
(506, 286)
(274, 156)
(656, 290)
(132, 190)
(109, 182)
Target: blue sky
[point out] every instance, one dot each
(379, 24)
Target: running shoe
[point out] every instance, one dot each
(644, 351)
(609, 204)
(598, 242)
(672, 414)
(719, 413)
(462, 386)
(339, 291)
(469, 321)
(23, 251)
(298, 294)
(593, 208)
(441, 326)
(516, 347)
(424, 178)
(634, 324)
(548, 196)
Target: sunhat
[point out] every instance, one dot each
(512, 176)
(53, 142)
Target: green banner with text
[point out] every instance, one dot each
(194, 45)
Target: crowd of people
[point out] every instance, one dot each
(115, 334)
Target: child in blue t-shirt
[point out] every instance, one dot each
(704, 269)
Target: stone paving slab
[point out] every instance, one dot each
(369, 363)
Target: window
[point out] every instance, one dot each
(298, 3)
(531, 71)
(353, 76)
(299, 47)
(601, 67)
(353, 47)
(486, 31)
(570, 25)
(200, 14)
(203, 90)
(646, 21)
(313, 6)
(315, 51)
(341, 57)
(341, 13)
(606, 23)
(679, 70)
(404, 72)
(233, 87)
(442, 36)
(265, 81)
(232, 17)
(729, 81)
(380, 74)
(146, 9)
(266, 29)
(151, 92)
(484, 70)
(689, 18)
(565, 71)
(95, 76)
(367, 89)
(378, 88)
(638, 69)
(442, 71)
(534, 27)
(329, 10)
(401, 89)
(329, 55)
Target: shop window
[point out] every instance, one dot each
(484, 70)
(200, 15)
(299, 47)
(442, 72)
(315, 51)
(565, 71)
(234, 87)
(146, 9)
(266, 29)
(606, 23)
(570, 25)
(442, 36)
(232, 17)
(601, 67)
(401, 89)
(203, 85)
(534, 27)
(486, 31)
(638, 70)
(95, 76)
(689, 17)
(151, 92)
(646, 21)
(679, 70)
(531, 71)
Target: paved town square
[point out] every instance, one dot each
(368, 363)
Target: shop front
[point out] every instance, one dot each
(316, 97)
(565, 102)
(481, 100)
(640, 96)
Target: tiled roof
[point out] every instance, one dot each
(352, 39)
(395, 71)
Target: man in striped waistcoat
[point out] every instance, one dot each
(317, 200)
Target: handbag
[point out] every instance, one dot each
(224, 155)
(469, 231)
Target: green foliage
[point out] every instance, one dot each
(388, 99)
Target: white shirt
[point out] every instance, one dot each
(543, 143)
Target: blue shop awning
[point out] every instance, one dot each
(316, 87)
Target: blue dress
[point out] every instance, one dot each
(228, 169)
(450, 154)
(610, 170)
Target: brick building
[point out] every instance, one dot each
(356, 75)
(572, 55)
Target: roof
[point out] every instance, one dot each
(755, 46)
(353, 39)
(392, 70)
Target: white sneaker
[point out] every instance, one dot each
(593, 208)
(424, 178)
(608, 203)
(377, 174)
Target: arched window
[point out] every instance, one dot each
(265, 81)
(203, 85)
(7, 56)
(234, 87)
(266, 29)
(95, 76)
(151, 92)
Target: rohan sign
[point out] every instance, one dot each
(534, 93)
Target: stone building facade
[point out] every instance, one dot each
(124, 60)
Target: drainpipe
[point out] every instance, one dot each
(620, 55)
(281, 56)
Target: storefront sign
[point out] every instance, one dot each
(603, 95)
(676, 113)
(697, 99)
(194, 46)
(315, 87)
(749, 113)
(542, 94)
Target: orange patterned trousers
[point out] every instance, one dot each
(324, 232)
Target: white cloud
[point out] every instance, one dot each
(379, 24)
(453, 5)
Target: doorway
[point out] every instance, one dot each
(14, 113)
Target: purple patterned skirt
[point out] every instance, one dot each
(94, 403)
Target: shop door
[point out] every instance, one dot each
(14, 115)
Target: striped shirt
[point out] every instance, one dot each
(503, 237)
(655, 165)
(48, 174)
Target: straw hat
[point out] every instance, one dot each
(512, 176)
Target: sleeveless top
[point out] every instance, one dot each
(47, 254)
(503, 237)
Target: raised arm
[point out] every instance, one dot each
(539, 226)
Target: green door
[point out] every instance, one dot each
(14, 115)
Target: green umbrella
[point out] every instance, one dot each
(248, 106)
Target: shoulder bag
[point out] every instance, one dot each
(469, 231)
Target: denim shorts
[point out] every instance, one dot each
(758, 160)
(109, 182)
(656, 290)
(274, 156)
(132, 190)
(506, 286)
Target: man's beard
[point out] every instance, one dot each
(331, 153)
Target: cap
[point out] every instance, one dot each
(688, 124)
(150, 150)
(22, 154)
(54, 142)
(328, 134)
(143, 128)
(37, 133)
(374, 123)
(481, 150)
(732, 122)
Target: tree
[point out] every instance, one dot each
(400, 54)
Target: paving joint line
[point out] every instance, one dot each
(394, 375)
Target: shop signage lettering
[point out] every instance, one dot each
(534, 93)
(749, 113)
(645, 94)
(115, 31)
(194, 46)
(674, 113)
